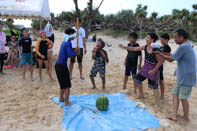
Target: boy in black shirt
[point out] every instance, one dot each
(164, 38)
(131, 61)
(25, 43)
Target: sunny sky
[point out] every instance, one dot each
(163, 7)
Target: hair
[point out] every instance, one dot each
(182, 32)
(101, 41)
(24, 30)
(69, 31)
(134, 35)
(153, 36)
(165, 36)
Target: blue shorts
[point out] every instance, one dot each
(27, 59)
(130, 69)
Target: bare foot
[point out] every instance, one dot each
(61, 100)
(82, 78)
(162, 97)
(183, 122)
(68, 103)
(94, 87)
(140, 97)
(172, 118)
(124, 88)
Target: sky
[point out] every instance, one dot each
(163, 7)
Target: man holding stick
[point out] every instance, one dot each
(80, 45)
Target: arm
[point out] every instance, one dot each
(69, 51)
(106, 58)
(84, 44)
(165, 56)
(125, 61)
(94, 53)
(160, 61)
(37, 48)
(51, 44)
(140, 62)
(132, 48)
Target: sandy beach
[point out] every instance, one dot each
(26, 105)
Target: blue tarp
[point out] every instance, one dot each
(122, 115)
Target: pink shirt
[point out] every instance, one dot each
(2, 43)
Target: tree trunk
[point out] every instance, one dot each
(77, 9)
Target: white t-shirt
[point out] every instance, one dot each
(81, 36)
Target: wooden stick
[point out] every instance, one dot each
(77, 26)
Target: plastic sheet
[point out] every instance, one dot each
(122, 115)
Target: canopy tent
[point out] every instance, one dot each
(24, 9)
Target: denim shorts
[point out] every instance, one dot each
(27, 59)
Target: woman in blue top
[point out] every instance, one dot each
(61, 66)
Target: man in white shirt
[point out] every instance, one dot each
(82, 46)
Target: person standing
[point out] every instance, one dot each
(82, 46)
(2, 48)
(186, 74)
(50, 35)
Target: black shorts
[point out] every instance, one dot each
(63, 76)
(161, 77)
(79, 57)
(130, 69)
(151, 84)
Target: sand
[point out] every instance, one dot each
(26, 105)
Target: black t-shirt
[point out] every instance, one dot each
(25, 43)
(150, 57)
(166, 49)
(132, 57)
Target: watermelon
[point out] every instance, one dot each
(102, 103)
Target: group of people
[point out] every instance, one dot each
(153, 67)
(21, 51)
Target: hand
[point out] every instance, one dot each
(20, 57)
(151, 72)
(121, 46)
(42, 56)
(102, 53)
(94, 50)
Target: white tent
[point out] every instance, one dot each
(25, 9)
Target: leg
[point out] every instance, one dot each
(173, 116)
(103, 82)
(141, 92)
(80, 70)
(125, 82)
(2, 62)
(61, 99)
(93, 82)
(135, 86)
(48, 70)
(40, 68)
(31, 71)
(50, 60)
(185, 105)
(162, 88)
(80, 66)
(66, 93)
(24, 71)
(139, 79)
(9, 56)
(156, 94)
